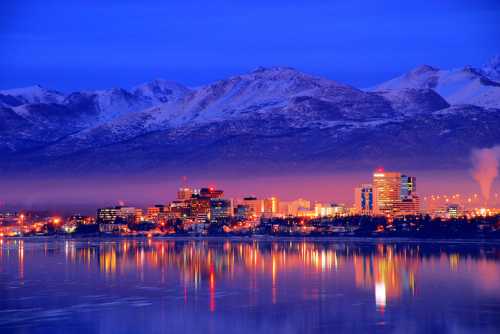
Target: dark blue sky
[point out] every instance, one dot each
(71, 45)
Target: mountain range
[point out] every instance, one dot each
(274, 119)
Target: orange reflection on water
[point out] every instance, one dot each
(387, 271)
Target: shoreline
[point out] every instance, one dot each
(329, 239)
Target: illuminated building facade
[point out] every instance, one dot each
(126, 213)
(139, 215)
(178, 210)
(107, 215)
(242, 211)
(220, 209)
(199, 209)
(78, 220)
(408, 186)
(157, 214)
(185, 193)
(407, 206)
(211, 192)
(270, 207)
(254, 206)
(395, 194)
(453, 211)
(293, 207)
(108, 222)
(386, 191)
(363, 199)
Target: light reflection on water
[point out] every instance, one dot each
(153, 286)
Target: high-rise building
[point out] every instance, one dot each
(126, 213)
(394, 194)
(139, 215)
(363, 199)
(211, 192)
(157, 213)
(296, 205)
(220, 209)
(185, 193)
(409, 205)
(178, 209)
(254, 206)
(386, 191)
(242, 211)
(199, 209)
(106, 215)
(270, 207)
(408, 186)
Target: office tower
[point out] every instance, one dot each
(178, 209)
(254, 206)
(157, 214)
(211, 192)
(270, 207)
(298, 205)
(386, 191)
(338, 209)
(363, 199)
(242, 211)
(199, 209)
(321, 210)
(106, 215)
(185, 193)
(409, 205)
(395, 194)
(408, 186)
(126, 213)
(139, 215)
(220, 209)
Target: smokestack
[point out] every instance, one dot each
(485, 168)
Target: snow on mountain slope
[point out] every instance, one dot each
(412, 100)
(267, 91)
(274, 95)
(266, 114)
(434, 140)
(34, 94)
(108, 104)
(160, 91)
(49, 116)
(460, 86)
(10, 101)
(492, 69)
(98, 106)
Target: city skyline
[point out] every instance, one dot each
(390, 197)
(249, 167)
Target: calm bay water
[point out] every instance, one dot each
(217, 286)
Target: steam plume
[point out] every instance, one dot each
(485, 168)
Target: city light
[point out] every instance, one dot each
(389, 205)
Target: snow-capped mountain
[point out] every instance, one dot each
(492, 69)
(412, 100)
(33, 94)
(269, 118)
(160, 91)
(466, 85)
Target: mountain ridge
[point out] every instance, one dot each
(269, 117)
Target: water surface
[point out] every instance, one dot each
(220, 286)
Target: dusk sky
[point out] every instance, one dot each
(71, 45)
